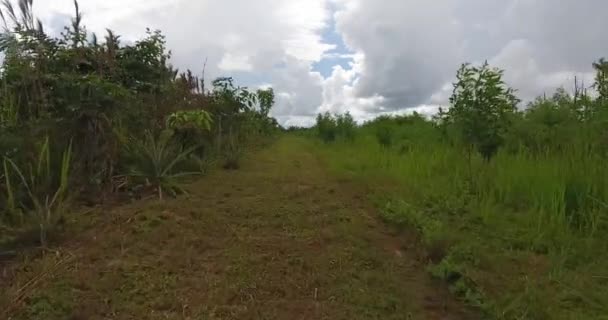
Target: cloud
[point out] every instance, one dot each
(231, 62)
(339, 95)
(364, 56)
(525, 72)
(299, 89)
(412, 49)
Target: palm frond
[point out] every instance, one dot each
(8, 6)
(155, 159)
(27, 15)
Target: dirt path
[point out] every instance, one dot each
(278, 239)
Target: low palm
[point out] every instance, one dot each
(155, 159)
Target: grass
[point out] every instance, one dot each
(278, 239)
(46, 196)
(520, 237)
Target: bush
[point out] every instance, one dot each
(384, 135)
(326, 127)
(154, 160)
(330, 128)
(481, 108)
(345, 126)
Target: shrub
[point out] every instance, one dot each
(153, 160)
(345, 126)
(384, 135)
(330, 128)
(481, 108)
(326, 127)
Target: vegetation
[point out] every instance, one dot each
(518, 227)
(127, 120)
(510, 204)
(45, 191)
(338, 127)
(279, 239)
(481, 107)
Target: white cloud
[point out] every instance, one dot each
(299, 89)
(523, 71)
(231, 62)
(404, 52)
(412, 49)
(339, 94)
(101, 14)
(305, 20)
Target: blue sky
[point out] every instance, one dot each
(336, 56)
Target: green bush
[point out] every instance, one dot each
(326, 127)
(481, 108)
(154, 160)
(385, 135)
(345, 126)
(332, 127)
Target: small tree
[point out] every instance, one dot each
(601, 79)
(482, 106)
(265, 100)
(231, 105)
(264, 123)
(326, 127)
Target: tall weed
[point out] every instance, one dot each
(46, 193)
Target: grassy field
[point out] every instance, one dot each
(279, 239)
(520, 237)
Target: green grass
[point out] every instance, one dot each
(278, 239)
(521, 237)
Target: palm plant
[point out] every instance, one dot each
(154, 159)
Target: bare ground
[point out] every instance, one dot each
(278, 239)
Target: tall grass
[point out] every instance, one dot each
(45, 187)
(521, 203)
(565, 193)
(9, 109)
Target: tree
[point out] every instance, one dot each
(331, 127)
(326, 127)
(266, 101)
(346, 125)
(262, 122)
(482, 106)
(601, 79)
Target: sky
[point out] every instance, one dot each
(367, 57)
